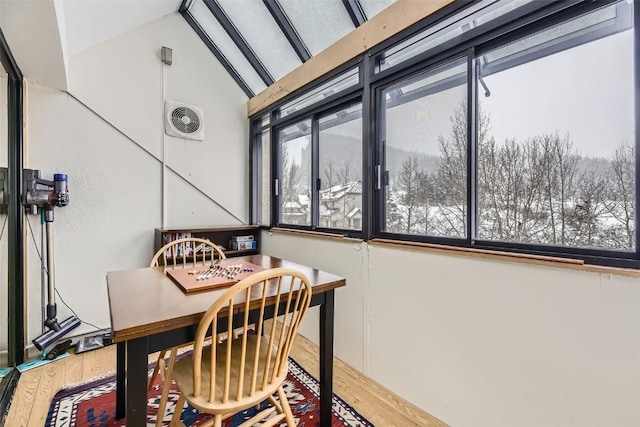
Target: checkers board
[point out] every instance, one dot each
(201, 278)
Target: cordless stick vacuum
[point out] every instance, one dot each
(54, 193)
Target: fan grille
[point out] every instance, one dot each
(185, 120)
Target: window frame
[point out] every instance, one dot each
(314, 115)
(498, 32)
(380, 198)
(598, 256)
(346, 104)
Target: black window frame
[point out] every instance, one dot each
(15, 261)
(314, 115)
(513, 26)
(381, 175)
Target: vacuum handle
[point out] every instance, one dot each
(51, 276)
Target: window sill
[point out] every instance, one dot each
(549, 261)
(315, 234)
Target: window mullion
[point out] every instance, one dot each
(472, 145)
(368, 147)
(255, 168)
(276, 178)
(315, 172)
(636, 73)
(379, 193)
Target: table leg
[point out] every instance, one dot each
(326, 359)
(121, 378)
(137, 351)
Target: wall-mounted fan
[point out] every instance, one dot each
(183, 120)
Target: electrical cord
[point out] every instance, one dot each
(74, 313)
(45, 269)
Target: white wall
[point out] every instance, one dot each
(346, 259)
(479, 342)
(123, 81)
(36, 35)
(113, 156)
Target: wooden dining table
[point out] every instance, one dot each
(149, 313)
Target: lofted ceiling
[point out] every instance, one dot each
(257, 41)
(90, 22)
(260, 41)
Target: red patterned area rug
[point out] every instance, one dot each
(94, 405)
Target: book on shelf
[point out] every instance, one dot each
(177, 250)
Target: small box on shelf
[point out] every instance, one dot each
(243, 245)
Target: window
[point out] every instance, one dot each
(452, 30)
(556, 147)
(425, 153)
(330, 156)
(294, 143)
(340, 158)
(509, 126)
(338, 84)
(261, 161)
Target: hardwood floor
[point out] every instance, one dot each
(37, 386)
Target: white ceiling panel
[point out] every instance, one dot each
(262, 34)
(373, 7)
(320, 23)
(227, 47)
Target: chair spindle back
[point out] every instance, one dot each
(187, 252)
(257, 359)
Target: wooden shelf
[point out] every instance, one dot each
(220, 235)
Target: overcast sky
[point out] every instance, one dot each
(586, 92)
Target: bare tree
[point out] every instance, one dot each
(348, 201)
(540, 190)
(329, 174)
(344, 173)
(408, 182)
(426, 194)
(509, 189)
(559, 167)
(393, 216)
(291, 182)
(452, 177)
(621, 204)
(585, 218)
(566, 161)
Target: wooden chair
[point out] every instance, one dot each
(180, 253)
(234, 375)
(198, 252)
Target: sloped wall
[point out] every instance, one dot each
(36, 36)
(108, 137)
(124, 80)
